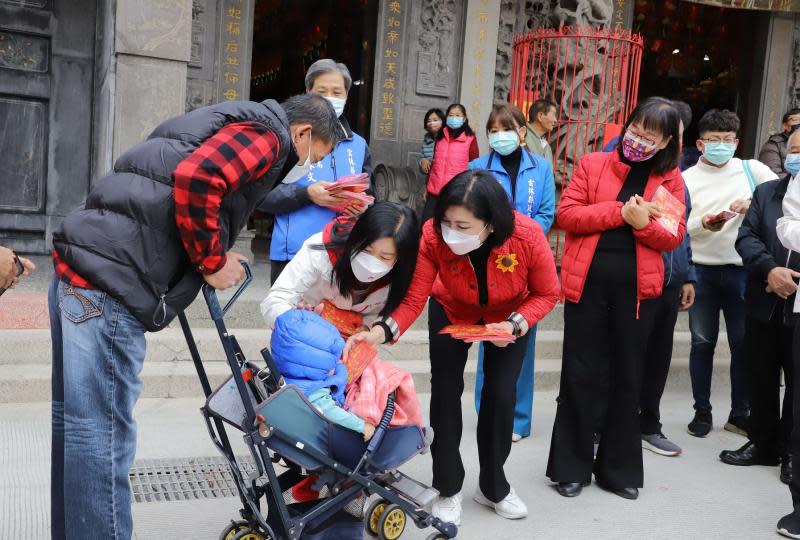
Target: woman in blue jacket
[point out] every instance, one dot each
(528, 180)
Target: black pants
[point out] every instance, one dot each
(768, 349)
(604, 347)
(501, 369)
(275, 269)
(429, 208)
(657, 360)
(794, 486)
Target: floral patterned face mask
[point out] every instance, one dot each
(637, 149)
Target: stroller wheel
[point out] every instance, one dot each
(234, 527)
(248, 534)
(373, 516)
(392, 523)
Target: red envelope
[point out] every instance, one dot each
(359, 358)
(471, 333)
(346, 322)
(672, 210)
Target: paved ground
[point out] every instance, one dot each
(690, 497)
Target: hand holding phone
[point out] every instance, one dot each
(19, 269)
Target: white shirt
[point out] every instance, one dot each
(788, 228)
(712, 190)
(307, 278)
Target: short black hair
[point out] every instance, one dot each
(480, 193)
(790, 112)
(437, 112)
(718, 120)
(660, 115)
(312, 108)
(540, 106)
(381, 220)
(685, 112)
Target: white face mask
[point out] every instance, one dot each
(367, 268)
(299, 170)
(338, 104)
(460, 243)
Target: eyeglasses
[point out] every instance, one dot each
(717, 140)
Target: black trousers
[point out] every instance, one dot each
(657, 360)
(501, 367)
(794, 485)
(768, 349)
(604, 347)
(275, 269)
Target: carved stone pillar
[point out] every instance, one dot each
(221, 52)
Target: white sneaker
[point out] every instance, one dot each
(516, 437)
(511, 507)
(448, 509)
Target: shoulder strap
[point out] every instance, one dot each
(749, 173)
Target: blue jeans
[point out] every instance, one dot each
(718, 288)
(98, 352)
(523, 410)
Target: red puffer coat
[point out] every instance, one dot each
(589, 206)
(527, 290)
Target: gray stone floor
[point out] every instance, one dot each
(691, 497)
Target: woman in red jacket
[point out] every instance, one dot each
(479, 262)
(612, 268)
(455, 147)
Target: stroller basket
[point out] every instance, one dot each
(278, 418)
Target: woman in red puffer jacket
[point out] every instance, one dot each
(611, 270)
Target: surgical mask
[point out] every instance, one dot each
(338, 104)
(367, 268)
(504, 142)
(300, 170)
(460, 243)
(792, 164)
(637, 149)
(718, 153)
(455, 122)
(435, 125)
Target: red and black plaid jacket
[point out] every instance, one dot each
(237, 154)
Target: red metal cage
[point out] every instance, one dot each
(591, 74)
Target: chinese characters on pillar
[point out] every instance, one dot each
(231, 60)
(387, 93)
(478, 55)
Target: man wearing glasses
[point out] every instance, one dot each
(721, 187)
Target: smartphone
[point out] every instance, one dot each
(19, 270)
(723, 216)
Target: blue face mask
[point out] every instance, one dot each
(718, 153)
(455, 122)
(792, 164)
(504, 142)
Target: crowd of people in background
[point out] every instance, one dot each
(480, 254)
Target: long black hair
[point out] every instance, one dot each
(479, 192)
(456, 132)
(660, 115)
(381, 220)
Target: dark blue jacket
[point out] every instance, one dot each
(761, 250)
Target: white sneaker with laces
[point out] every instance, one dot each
(448, 509)
(511, 507)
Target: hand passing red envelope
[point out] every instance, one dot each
(472, 333)
(351, 190)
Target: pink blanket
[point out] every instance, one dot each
(366, 396)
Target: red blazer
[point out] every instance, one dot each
(589, 206)
(450, 157)
(527, 293)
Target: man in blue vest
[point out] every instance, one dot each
(132, 257)
(302, 206)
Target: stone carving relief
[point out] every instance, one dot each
(582, 13)
(436, 40)
(24, 52)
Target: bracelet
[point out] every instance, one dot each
(517, 331)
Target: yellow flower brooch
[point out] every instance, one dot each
(507, 263)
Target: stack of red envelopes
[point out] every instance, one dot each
(672, 210)
(351, 189)
(471, 333)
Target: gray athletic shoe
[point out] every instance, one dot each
(659, 444)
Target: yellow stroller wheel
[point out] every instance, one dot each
(233, 527)
(392, 523)
(373, 516)
(248, 534)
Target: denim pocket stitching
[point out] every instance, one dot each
(91, 308)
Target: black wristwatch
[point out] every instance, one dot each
(517, 328)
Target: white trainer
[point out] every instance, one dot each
(448, 509)
(516, 437)
(511, 507)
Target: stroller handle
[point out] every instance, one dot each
(210, 294)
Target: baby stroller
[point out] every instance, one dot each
(280, 424)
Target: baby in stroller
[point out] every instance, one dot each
(307, 350)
